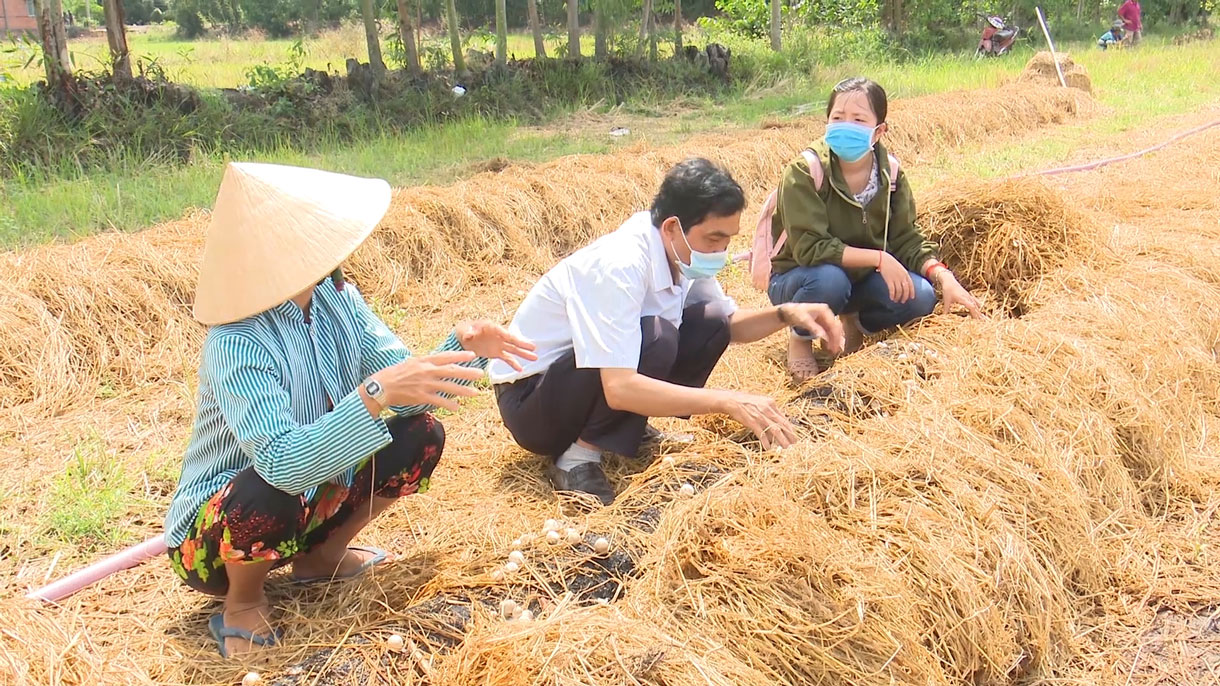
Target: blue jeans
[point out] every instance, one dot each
(869, 297)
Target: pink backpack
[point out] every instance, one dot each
(765, 247)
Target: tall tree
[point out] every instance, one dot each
(313, 10)
(574, 29)
(645, 28)
(677, 28)
(536, 28)
(369, 13)
(407, 33)
(776, 28)
(501, 32)
(116, 35)
(55, 55)
(601, 48)
(455, 36)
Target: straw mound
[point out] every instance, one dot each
(1002, 237)
(1041, 70)
(114, 310)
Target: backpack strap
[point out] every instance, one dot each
(817, 174)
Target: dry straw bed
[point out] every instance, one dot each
(112, 313)
(1011, 501)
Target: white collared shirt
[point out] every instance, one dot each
(594, 299)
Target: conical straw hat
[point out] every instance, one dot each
(278, 230)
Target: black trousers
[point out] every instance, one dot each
(546, 413)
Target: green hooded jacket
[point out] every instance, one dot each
(821, 223)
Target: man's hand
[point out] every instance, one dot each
(759, 414)
(953, 293)
(422, 380)
(494, 342)
(897, 278)
(818, 319)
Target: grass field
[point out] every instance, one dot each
(1157, 79)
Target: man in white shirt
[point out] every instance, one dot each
(631, 326)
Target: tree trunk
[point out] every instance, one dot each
(455, 36)
(501, 33)
(116, 34)
(645, 27)
(574, 29)
(677, 28)
(600, 47)
(55, 55)
(313, 9)
(370, 35)
(407, 33)
(776, 14)
(536, 28)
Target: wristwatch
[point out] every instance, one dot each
(375, 391)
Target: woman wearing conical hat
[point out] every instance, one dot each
(312, 416)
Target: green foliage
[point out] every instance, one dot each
(88, 499)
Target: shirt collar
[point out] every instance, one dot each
(292, 313)
(662, 276)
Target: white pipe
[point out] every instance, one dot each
(1046, 32)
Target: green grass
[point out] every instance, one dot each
(88, 499)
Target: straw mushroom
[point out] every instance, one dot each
(518, 542)
(511, 567)
(497, 575)
(687, 490)
(526, 616)
(552, 537)
(251, 678)
(395, 643)
(550, 525)
(668, 461)
(508, 608)
(601, 546)
(517, 556)
(573, 537)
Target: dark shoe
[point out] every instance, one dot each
(583, 478)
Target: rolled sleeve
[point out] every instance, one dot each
(603, 308)
(291, 457)
(711, 292)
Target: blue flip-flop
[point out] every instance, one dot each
(216, 625)
(378, 557)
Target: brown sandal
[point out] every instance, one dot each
(803, 370)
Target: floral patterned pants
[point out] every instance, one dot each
(250, 521)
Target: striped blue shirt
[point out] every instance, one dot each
(266, 387)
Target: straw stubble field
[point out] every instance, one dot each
(1026, 499)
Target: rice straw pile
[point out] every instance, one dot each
(112, 313)
(1017, 500)
(1041, 70)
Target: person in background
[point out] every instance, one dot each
(312, 417)
(632, 325)
(1113, 37)
(853, 243)
(1132, 14)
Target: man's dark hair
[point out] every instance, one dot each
(872, 90)
(694, 190)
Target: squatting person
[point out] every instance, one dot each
(312, 417)
(631, 326)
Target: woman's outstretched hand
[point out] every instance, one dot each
(494, 342)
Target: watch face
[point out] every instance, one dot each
(373, 389)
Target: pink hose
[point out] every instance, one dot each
(1112, 160)
(99, 570)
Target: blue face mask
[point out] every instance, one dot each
(849, 140)
(703, 265)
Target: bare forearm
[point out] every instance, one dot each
(861, 258)
(747, 326)
(630, 391)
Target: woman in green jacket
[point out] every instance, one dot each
(853, 243)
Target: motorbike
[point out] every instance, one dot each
(998, 37)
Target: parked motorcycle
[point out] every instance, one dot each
(998, 37)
